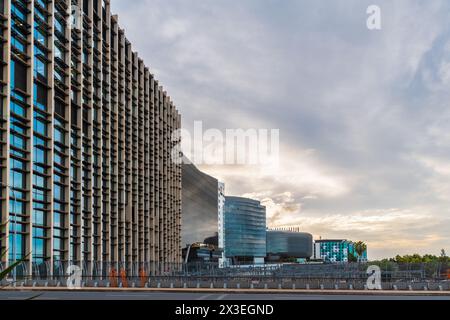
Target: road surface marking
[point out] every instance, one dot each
(205, 296)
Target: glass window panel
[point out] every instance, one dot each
(15, 206)
(17, 179)
(59, 159)
(17, 141)
(40, 96)
(17, 247)
(58, 193)
(38, 245)
(40, 156)
(39, 181)
(18, 109)
(19, 44)
(39, 217)
(57, 221)
(39, 195)
(40, 68)
(19, 75)
(59, 135)
(39, 124)
(39, 36)
(59, 26)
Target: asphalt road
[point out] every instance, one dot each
(71, 295)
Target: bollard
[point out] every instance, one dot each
(45, 285)
(294, 286)
(34, 284)
(159, 285)
(225, 286)
(265, 286)
(425, 288)
(410, 288)
(95, 284)
(441, 288)
(58, 284)
(108, 284)
(365, 287)
(146, 285)
(185, 285)
(395, 287)
(212, 285)
(238, 286)
(322, 287)
(308, 286)
(133, 285)
(351, 287)
(120, 285)
(336, 287)
(171, 285)
(252, 286)
(198, 285)
(279, 286)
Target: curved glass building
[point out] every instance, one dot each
(243, 234)
(287, 244)
(200, 205)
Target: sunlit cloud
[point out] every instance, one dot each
(364, 117)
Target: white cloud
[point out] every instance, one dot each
(355, 108)
(439, 166)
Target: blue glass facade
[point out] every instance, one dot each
(244, 228)
(41, 137)
(19, 129)
(289, 244)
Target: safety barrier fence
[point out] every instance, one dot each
(116, 273)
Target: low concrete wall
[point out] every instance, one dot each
(269, 284)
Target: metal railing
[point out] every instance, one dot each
(350, 271)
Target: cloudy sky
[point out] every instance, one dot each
(364, 116)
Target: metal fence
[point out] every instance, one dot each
(99, 271)
(390, 271)
(94, 270)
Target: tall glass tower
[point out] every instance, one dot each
(244, 230)
(85, 144)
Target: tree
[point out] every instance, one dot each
(352, 257)
(360, 249)
(444, 258)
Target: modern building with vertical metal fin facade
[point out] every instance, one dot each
(86, 139)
